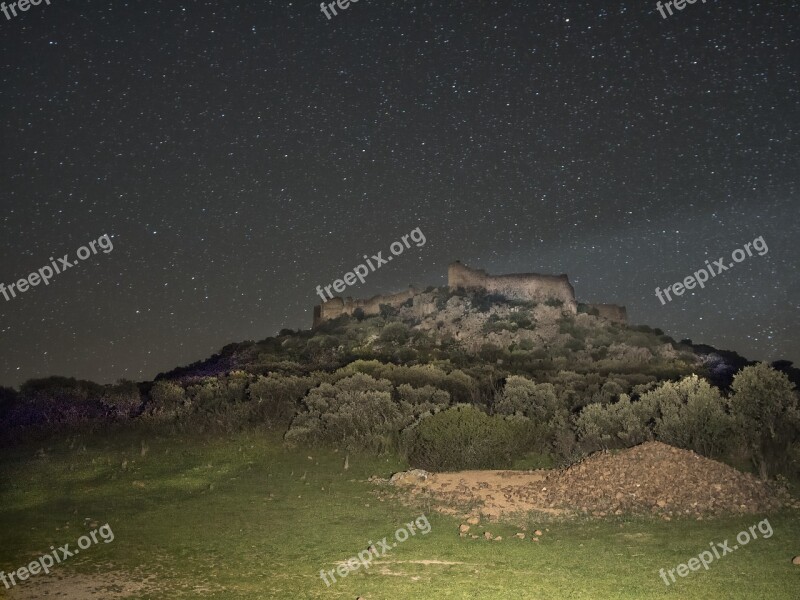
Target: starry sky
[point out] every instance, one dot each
(239, 154)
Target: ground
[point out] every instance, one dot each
(241, 517)
(649, 479)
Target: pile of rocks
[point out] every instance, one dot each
(654, 478)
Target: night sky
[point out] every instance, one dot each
(239, 154)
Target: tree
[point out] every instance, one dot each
(122, 400)
(394, 333)
(522, 396)
(764, 405)
(690, 414)
(167, 400)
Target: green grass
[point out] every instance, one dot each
(240, 517)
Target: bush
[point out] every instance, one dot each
(355, 413)
(483, 301)
(691, 415)
(421, 401)
(122, 401)
(275, 398)
(167, 401)
(521, 320)
(463, 437)
(388, 311)
(57, 402)
(493, 326)
(568, 326)
(394, 333)
(619, 425)
(765, 409)
(522, 396)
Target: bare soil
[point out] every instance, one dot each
(650, 479)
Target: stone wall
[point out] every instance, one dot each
(372, 306)
(519, 286)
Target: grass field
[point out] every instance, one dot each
(240, 517)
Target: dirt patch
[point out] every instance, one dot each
(652, 478)
(107, 586)
(494, 493)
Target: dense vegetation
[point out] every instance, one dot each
(383, 384)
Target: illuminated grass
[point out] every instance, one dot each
(243, 518)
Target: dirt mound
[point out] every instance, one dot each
(658, 479)
(652, 478)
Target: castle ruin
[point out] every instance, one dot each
(532, 287)
(337, 307)
(517, 286)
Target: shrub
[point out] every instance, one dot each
(122, 400)
(492, 326)
(356, 412)
(167, 401)
(526, 344)
(394, 333)
(691, 414)
(640, 340)
(490, 353)
(522, 396)
(275, 398)
(765, 409)
(568, 326)
(387, 311)
(320, 349)
(57, 402)
(609, 392)
(555, 302)
(483, 301)
(203, 396)
(521, 320)
(421, 401)
(463, 437)
(622, 424)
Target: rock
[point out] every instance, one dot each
(538, 532)
(474, 520)
(463, 528)
(412, 476)
(499, 538)
(488, 535)
(519, 535)
(796, 560)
